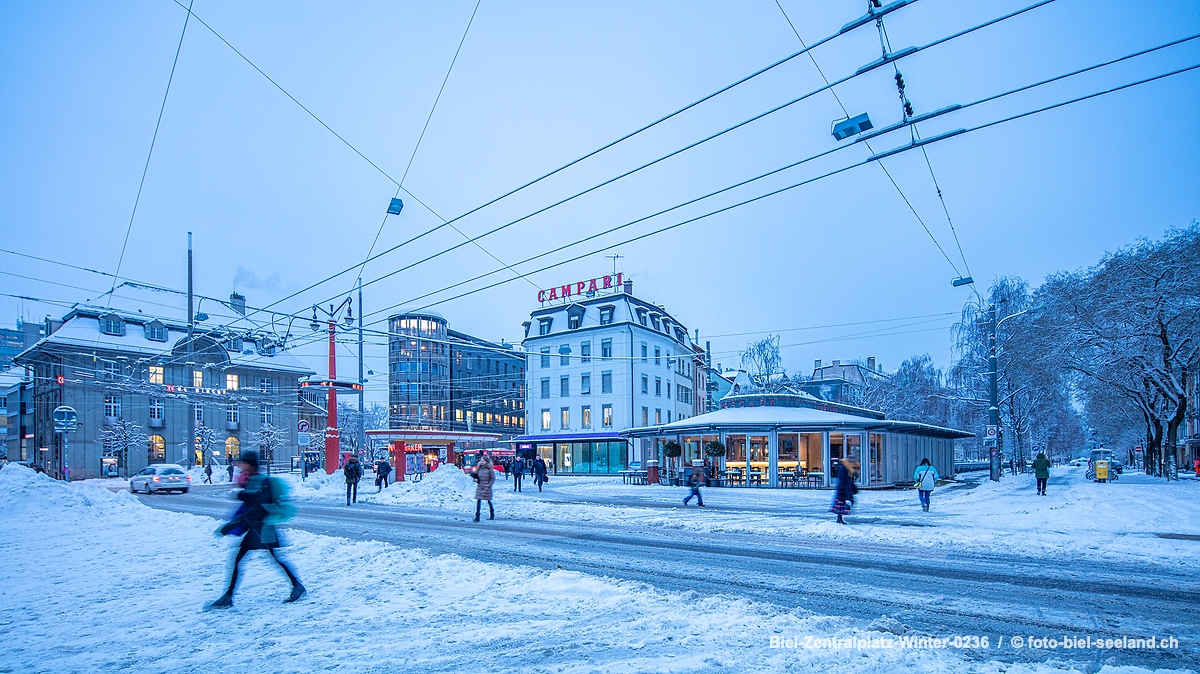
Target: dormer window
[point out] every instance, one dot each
(641, 314)
(654, 322)
(156, 331)
(575, 317)
(606, 315)
(544, 325)
(112, 325)
(235, 344)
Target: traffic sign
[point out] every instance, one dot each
(302, 426)
(990, 436)
(65, 419)
(303, 439)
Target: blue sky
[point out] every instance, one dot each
(275, 201)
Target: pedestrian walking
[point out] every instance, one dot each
(1041, 472)
(353, 473)
(695, 482)
(229, 468)
(386, 474)
(539, 472)
(208, 473)
(484, 476)
(517, 467)
(843, 498)
(925, 477)
(264, 504)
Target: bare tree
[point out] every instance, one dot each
(762, 361)
(121, 437)
(268, 438)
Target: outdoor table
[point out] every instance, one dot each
(734, 476)
(785, 477)
(814, 480)
(756, 478)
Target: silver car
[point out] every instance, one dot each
(161, 477)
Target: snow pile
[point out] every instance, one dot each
(447, 487)
(428, 613)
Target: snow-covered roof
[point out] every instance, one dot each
(787, 419)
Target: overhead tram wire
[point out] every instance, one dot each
(902, 124)
(876, 157)
(150, 153)
(861, 71)
(854, 24)
(868, 145)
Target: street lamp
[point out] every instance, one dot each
(332, 439)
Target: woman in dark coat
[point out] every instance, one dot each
(1041, 472)
(539, 472)
(485, 475)
(844, 497)
(259, 502)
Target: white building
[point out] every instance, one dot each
(602, 361)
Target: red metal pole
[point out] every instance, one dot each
(332, 441)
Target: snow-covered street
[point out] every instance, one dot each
(97, 581)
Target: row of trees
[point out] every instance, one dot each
(124, 437)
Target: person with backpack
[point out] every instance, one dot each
(382, 469)
(484, 475)
(353, 473)
(264, 504)
(517, 467)
(925, 477)
(695, 481)
(843, 499)
(1041, 472)
(539, 472)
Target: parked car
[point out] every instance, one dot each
(161, 477)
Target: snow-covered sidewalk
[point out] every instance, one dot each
(1078, 519)
(95, 581)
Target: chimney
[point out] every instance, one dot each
(835, 362)
(238, 303)
(628, 287)
(697, 335)
(817, 364)
(871, 363)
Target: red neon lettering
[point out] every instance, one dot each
(619, 275)
(541, 296)
(579, 287)
(607, 281)
(564, 291)
(592, 286)
(553, 294)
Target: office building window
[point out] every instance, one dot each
(606, 381)
(112, 406)
(645, 416)
(545, 420)
(564, 354)
(644, 348)
(564, 387)
(198, 378)
(585, 352)
(658, 386)
(232, 415)
(546, 387)
(657, 416)
(198, 413)
(606, 416)
(157, 449)
(606, 348)
(231, 382)
(668, 416)
(585, 384)
(645, 384)
(156, 374)
(586, 416)
(564, 418)
(668, 390)
(264, 414)
(545, 356)
(606, 315)
(657, 356)
(264, 384)
(112, 369)
(156, 408)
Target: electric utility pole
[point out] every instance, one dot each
(362, 408)
(188, 364)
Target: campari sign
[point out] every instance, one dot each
(589, 288)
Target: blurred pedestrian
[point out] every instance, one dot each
(484, 476)
(229, 468)
(264, 504)
(846, 489)
(925, 477)
(352, 471)
(539, 472)
(695, 482)
(208, 473)
(517, 467)
(1041, 472)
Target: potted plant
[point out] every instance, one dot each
(714, 450)
(672, 451)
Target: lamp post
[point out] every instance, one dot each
(332, 439)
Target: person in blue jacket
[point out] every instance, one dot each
(925, 477)
(843, 498)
